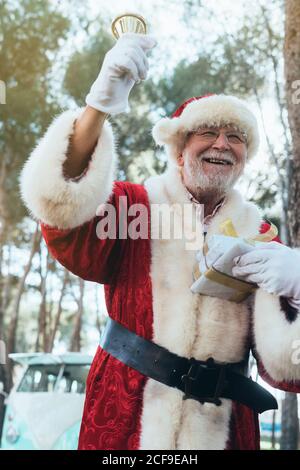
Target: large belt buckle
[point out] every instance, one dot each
(189, 378)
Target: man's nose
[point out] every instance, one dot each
(221, 143)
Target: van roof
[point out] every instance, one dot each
(50, 358)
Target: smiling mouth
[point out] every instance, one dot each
(217, 161)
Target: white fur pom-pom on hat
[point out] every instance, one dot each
(207, 110)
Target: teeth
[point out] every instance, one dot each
(215, 160)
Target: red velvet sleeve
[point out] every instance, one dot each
(285, 386)
(82, 252)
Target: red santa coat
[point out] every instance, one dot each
(147, 290)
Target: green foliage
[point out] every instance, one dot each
(84, 66)
(31, 31)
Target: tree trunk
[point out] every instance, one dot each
(4, 229)
(11, 337)
(42, 315)
(76, 338)
(59, 312)
(5, 290)
(4, 215)
(290, 420)
(289, 423)
(292, 76)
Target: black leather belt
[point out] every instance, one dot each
(204, 381)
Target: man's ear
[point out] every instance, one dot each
(180, 160)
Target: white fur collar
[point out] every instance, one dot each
(191, 325)
(245, 215)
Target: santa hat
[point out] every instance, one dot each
(207, 110)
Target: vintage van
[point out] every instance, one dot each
(44, 408)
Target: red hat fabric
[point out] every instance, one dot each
(179, 110)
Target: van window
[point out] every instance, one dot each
(73, 379)
(54, 378)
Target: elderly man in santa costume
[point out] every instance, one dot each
(170, 371)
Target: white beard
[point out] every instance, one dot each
(217, 183)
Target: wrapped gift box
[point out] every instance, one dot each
(217, 280)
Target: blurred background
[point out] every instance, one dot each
(50, 54)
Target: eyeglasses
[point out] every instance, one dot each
(211, 135)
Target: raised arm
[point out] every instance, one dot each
(83, 141)
(124, 65)
(71, 171)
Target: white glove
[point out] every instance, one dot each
(123, 65)
(274, 267)
(205, 262)
(218, 245)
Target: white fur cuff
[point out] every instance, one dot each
(48, 195)
(277, 340)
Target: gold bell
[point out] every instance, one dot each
(128, 23)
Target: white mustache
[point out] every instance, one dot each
(211, 153)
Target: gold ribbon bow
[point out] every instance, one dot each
(227, 228)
